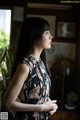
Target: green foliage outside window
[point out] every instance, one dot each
(4, 39)
(6, 62)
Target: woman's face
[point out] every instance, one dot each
(46, 40)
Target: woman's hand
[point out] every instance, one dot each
(49, 106)
(54, 108)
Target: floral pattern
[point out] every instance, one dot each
(35, 90)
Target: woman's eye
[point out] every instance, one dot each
(46, 32)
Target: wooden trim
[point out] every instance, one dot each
(49, 6)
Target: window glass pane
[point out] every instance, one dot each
(5, 23)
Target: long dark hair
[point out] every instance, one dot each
(31, 32)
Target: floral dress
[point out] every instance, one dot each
(35, 89)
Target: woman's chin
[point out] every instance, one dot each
(48, 47)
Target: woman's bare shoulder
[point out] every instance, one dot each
(23, 67)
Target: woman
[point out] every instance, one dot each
(30, 75)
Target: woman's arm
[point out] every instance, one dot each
(14, 89)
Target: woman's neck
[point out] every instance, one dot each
(36, 52)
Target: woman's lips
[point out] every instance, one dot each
(50, 43)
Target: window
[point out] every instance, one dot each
(5, 23)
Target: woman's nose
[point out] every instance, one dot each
(51, 37)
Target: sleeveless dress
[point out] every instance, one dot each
(35, 90)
